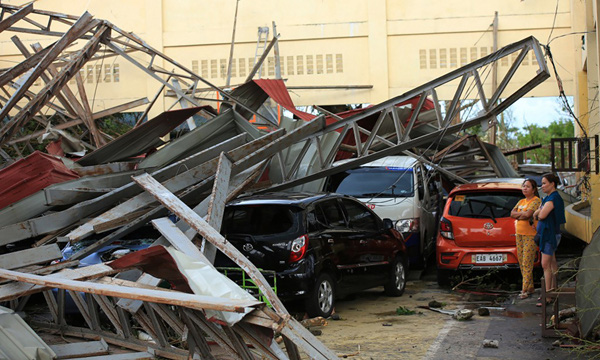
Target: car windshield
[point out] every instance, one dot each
(490, 205)
(257, 220)
(374, 182)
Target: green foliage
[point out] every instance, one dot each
(114, 125)
(402, 310)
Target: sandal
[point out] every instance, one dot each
(548, 302)
(523, 295)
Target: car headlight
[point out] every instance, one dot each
(407, 225)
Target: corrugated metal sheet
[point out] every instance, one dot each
(140, 139)
(279, 93)
(30, 175)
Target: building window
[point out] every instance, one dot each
(443, 58)
(242, 66)
(116, 73)
(213, 68)
(533, 59)
(89, 76)
(483, 50)
(432, 59)
(223, 68)
(329, 63)
(290, 65)
(271, 65)
(309, 65)
(339, 63)
(319, 64)
(98, 73)
(473, 54)
(250, 64)
(233, 68)
(463, 56)
(423, 59)
(453, 58)
(300, 64)
(204, 68)
(195, 66)
(107, 73)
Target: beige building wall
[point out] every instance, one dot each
(587, 72)
(387, 46)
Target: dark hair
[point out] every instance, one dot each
(533, 185)
(552, 178)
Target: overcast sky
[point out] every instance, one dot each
(540, 111)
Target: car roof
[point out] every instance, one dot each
(390, 161)
(301, 199)
(483, 186)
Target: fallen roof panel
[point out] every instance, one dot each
(140, 139)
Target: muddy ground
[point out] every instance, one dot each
(369, 327)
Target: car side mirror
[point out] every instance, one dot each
(388, 224)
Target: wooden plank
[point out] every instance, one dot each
(169, 317)
(82, 306)
(178, 239)
(164, 297)
(197, 223)
(87, 113)
(73, 350)
(157, 325)
(133, 306)
(15, 290)
(39, 255)
(110, 312)
(78, 29)
(11, 20)
(218, 198)
(215, 333)
(128, 356)
(238, 343)
(195, 339)
(120, 108)
(52, 305)
(121, 221)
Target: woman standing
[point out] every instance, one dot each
(525, 232)
(551, 215)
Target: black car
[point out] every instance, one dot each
(320, 246)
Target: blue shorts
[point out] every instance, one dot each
(548, 249)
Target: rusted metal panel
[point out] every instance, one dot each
(138, 140)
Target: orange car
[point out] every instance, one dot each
(476, 231)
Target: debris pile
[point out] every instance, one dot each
(167, 298)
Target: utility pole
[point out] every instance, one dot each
(494, 74)
(237, 2)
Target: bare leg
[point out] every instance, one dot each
(554, 267)
(549, 279)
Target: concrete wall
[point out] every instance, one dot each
(391, 45)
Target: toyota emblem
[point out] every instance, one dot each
(248, 247)
(488, 226)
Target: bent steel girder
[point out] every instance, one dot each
(376, 146)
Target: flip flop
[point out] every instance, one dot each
(523, 296)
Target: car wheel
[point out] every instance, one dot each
(322, 299)
(397, 281)
(443, 276)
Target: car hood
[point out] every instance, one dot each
(391, 208)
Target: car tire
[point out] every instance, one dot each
(321, 300)
(443, 276)
(396, 284)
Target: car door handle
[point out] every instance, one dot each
(362, 242)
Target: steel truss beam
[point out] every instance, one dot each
(371, 149)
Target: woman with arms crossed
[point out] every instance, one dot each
(525, 233)
(550, 215)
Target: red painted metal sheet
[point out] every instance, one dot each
(30, 175)
(279, 93)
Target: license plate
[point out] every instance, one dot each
(489, 258)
